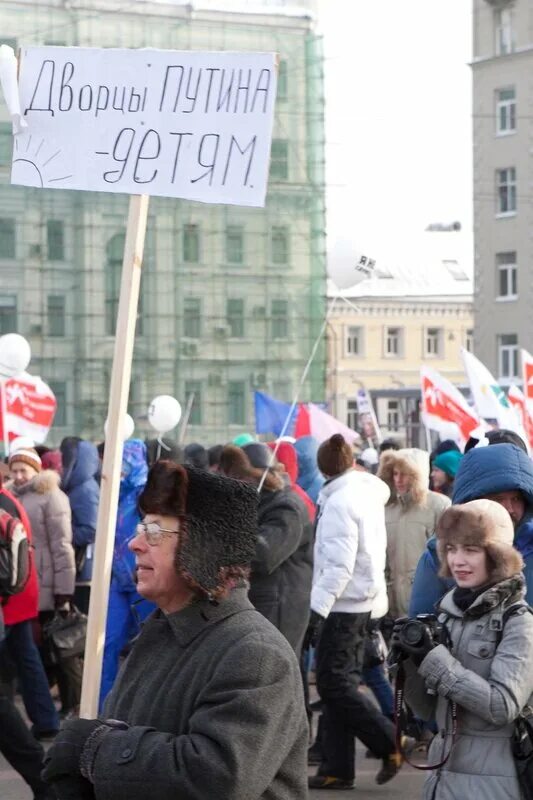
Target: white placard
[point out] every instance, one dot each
(192, 124)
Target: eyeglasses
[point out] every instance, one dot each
(153, 532)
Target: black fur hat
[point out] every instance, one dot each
(220, 516)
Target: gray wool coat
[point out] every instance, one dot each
(214, 699)
(48, 510)
(489, 674)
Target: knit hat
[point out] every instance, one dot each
(27, 456)
(220, 516)
(52, 460)
(481, 523)
(259, 455)
(242, 439)
(448, 462)
(334, 456)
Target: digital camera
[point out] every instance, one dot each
(412, 631)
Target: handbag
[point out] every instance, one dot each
(375, 649)
(65, 634)
(523, 751)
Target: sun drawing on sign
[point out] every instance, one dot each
(31, 164)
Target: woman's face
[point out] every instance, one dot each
(157, 579)
(402, 482)
(468, 565)
(439, 478)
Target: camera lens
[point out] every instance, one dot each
(412, 633)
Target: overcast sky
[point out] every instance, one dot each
(398, 93)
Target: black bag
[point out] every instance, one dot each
(15, 559)
(375, 649)
(523, 751)
(64, 636)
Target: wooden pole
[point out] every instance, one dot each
(109, 488)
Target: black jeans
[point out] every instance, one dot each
(19, 747)
(348, 712)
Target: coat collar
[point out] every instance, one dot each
(191, 621)
(504, 593)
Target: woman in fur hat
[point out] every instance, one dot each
(411, 516)
(209, 701)
(484, 669)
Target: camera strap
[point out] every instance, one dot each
(398, 705)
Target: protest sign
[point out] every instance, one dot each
(190, 124)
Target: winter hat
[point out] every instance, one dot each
(235, 463)
(259, 455)
(53, 460)
(196, 456)
(27, 456)
(220, 516)
(448, 462)
(444, 447)
(242, 439)
(501, 436)
(369, 457)
(334, 456)
(482, 523)
(389, 444)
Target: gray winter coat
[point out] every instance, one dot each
(214, 699)
(489, 675)
(48, 510)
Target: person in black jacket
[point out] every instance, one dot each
(282, 569)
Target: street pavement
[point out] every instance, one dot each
(406, 786)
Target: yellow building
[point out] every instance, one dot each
(392, 324)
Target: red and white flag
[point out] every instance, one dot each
(30, 406)
(527, 377)
(517, 400)
(444, 409)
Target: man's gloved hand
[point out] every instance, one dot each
(69, 788)
(63, 758)
(62, 602)
(314, 628)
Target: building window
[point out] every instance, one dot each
(6, 143)
(434, 341)
(279, 242)
(113, 270)
(282, 390)
(280, 319)
(507, 275)
(194, 388)
(55, 239)
(236, 403)
(508, 355)
(56, 315)
(8, 313)
(7, 238)
(393, 415)
(503, 29)
(351, 414)
(283, 83)
(59, 389)
(506, 186)
(469, 340)
(393, 341)
(505, 111)
(354, 341)
(235, 317)
(191, 244)
(279, 160)
(192, 317)
(234, 244)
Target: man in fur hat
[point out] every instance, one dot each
(209, 701)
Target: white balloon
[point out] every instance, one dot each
(128, 426)
(164, 413)
(347, 266)
(21, 443)
(15, 355)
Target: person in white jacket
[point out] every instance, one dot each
(348, 578)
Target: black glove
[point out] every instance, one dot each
(63, 758)
(68, 788)
(314, 628)
(417, 652)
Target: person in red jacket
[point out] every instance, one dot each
(286, 455)
(19, 610)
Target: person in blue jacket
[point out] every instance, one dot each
(126, 608)
(309, 478)
(503, 473)
(79, 481)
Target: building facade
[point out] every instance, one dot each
(232, 298)
(392, 324)
(503, 214)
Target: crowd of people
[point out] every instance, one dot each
(242, 570)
